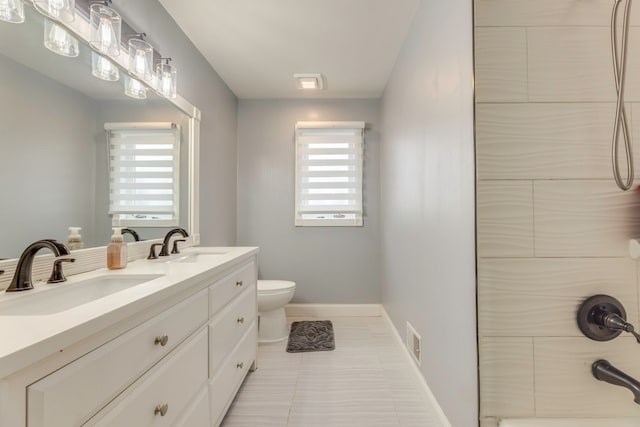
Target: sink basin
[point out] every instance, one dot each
(69, 295)
(194, 257)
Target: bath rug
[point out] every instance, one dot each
(311, 335)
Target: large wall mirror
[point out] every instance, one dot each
(54, 163)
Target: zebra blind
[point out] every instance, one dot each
(329, 162)
(144, 172)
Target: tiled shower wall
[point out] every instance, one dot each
(552, 225)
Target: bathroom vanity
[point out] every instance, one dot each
(170, 347)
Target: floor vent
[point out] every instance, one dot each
(414, 344)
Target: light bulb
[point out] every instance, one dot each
(135, 89)
(58, 40)
(105, 29)
(12, 11)
(61, 10)
(103, 69)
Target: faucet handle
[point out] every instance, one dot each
(175, 246)
(152, 251)
(57, 276)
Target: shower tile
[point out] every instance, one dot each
(565, 386)
(505, 218)
(501, 65)
(544, 141)
(506, 377)
(584, 218)
(539, 297)
(527, 13)
(569, 64)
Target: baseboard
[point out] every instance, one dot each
(438, 412)
(333, 310)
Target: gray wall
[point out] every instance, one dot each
(328, 264)
(427, 199)
(200, 84)
(46, 170)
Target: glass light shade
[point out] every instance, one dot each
(58, 40)
(104, 69)
(106, 27)
(166, 75)
(61, 10)
(141, 59)
(134, 89)
(12, 11)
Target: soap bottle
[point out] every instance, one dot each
(75, 239)
(117, 251)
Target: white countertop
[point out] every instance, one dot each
(26, 339)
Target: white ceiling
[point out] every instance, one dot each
(257, 45)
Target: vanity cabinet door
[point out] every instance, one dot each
(161, 395)
(76, 392)
(230, 325)
(224, 290)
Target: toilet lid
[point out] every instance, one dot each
(275, 285)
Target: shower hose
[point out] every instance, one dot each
(619, 56)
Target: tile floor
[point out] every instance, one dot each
(367, 381)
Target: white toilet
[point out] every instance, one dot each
(272, 321)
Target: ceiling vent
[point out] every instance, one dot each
(309, 81)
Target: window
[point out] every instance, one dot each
(144, 163)
(329, 173)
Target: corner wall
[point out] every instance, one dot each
(552, 224)
(427, 199)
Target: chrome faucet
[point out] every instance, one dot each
(167, 239)
(22, 278)
(604, 371)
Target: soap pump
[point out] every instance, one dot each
(117, 251)
(75, 239)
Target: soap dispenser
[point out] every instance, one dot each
(75, 239)
(117, 251)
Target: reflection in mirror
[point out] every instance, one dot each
(54, 146)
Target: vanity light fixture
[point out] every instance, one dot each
(141, 58)
(134, 88)
(104, 69)
(105, 29)
(12, 11)
(166, 75)
(61, 10)
(58, 40)
(309, 81)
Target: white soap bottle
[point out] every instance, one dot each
(75, 239)
(117, 251)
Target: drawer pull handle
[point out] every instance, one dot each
(161, 409)
(163, 340)
(240, 319)
(240, 365)
(239, 283)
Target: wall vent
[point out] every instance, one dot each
(414, 344)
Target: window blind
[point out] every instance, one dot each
(329, 160)
(144, 171)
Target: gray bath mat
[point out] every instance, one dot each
(311, 335)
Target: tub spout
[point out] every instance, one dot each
(604, 371)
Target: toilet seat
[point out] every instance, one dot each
(274, 286)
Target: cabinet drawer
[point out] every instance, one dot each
(164, 392)
(197, 413)
(224, 290)
(230, 325)
(74, 393)
(224, 385)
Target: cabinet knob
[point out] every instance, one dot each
(240, 365)
(161, 409)
(163, 340)
(239, 283)
(240, 319)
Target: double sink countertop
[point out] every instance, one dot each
(37, 323)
